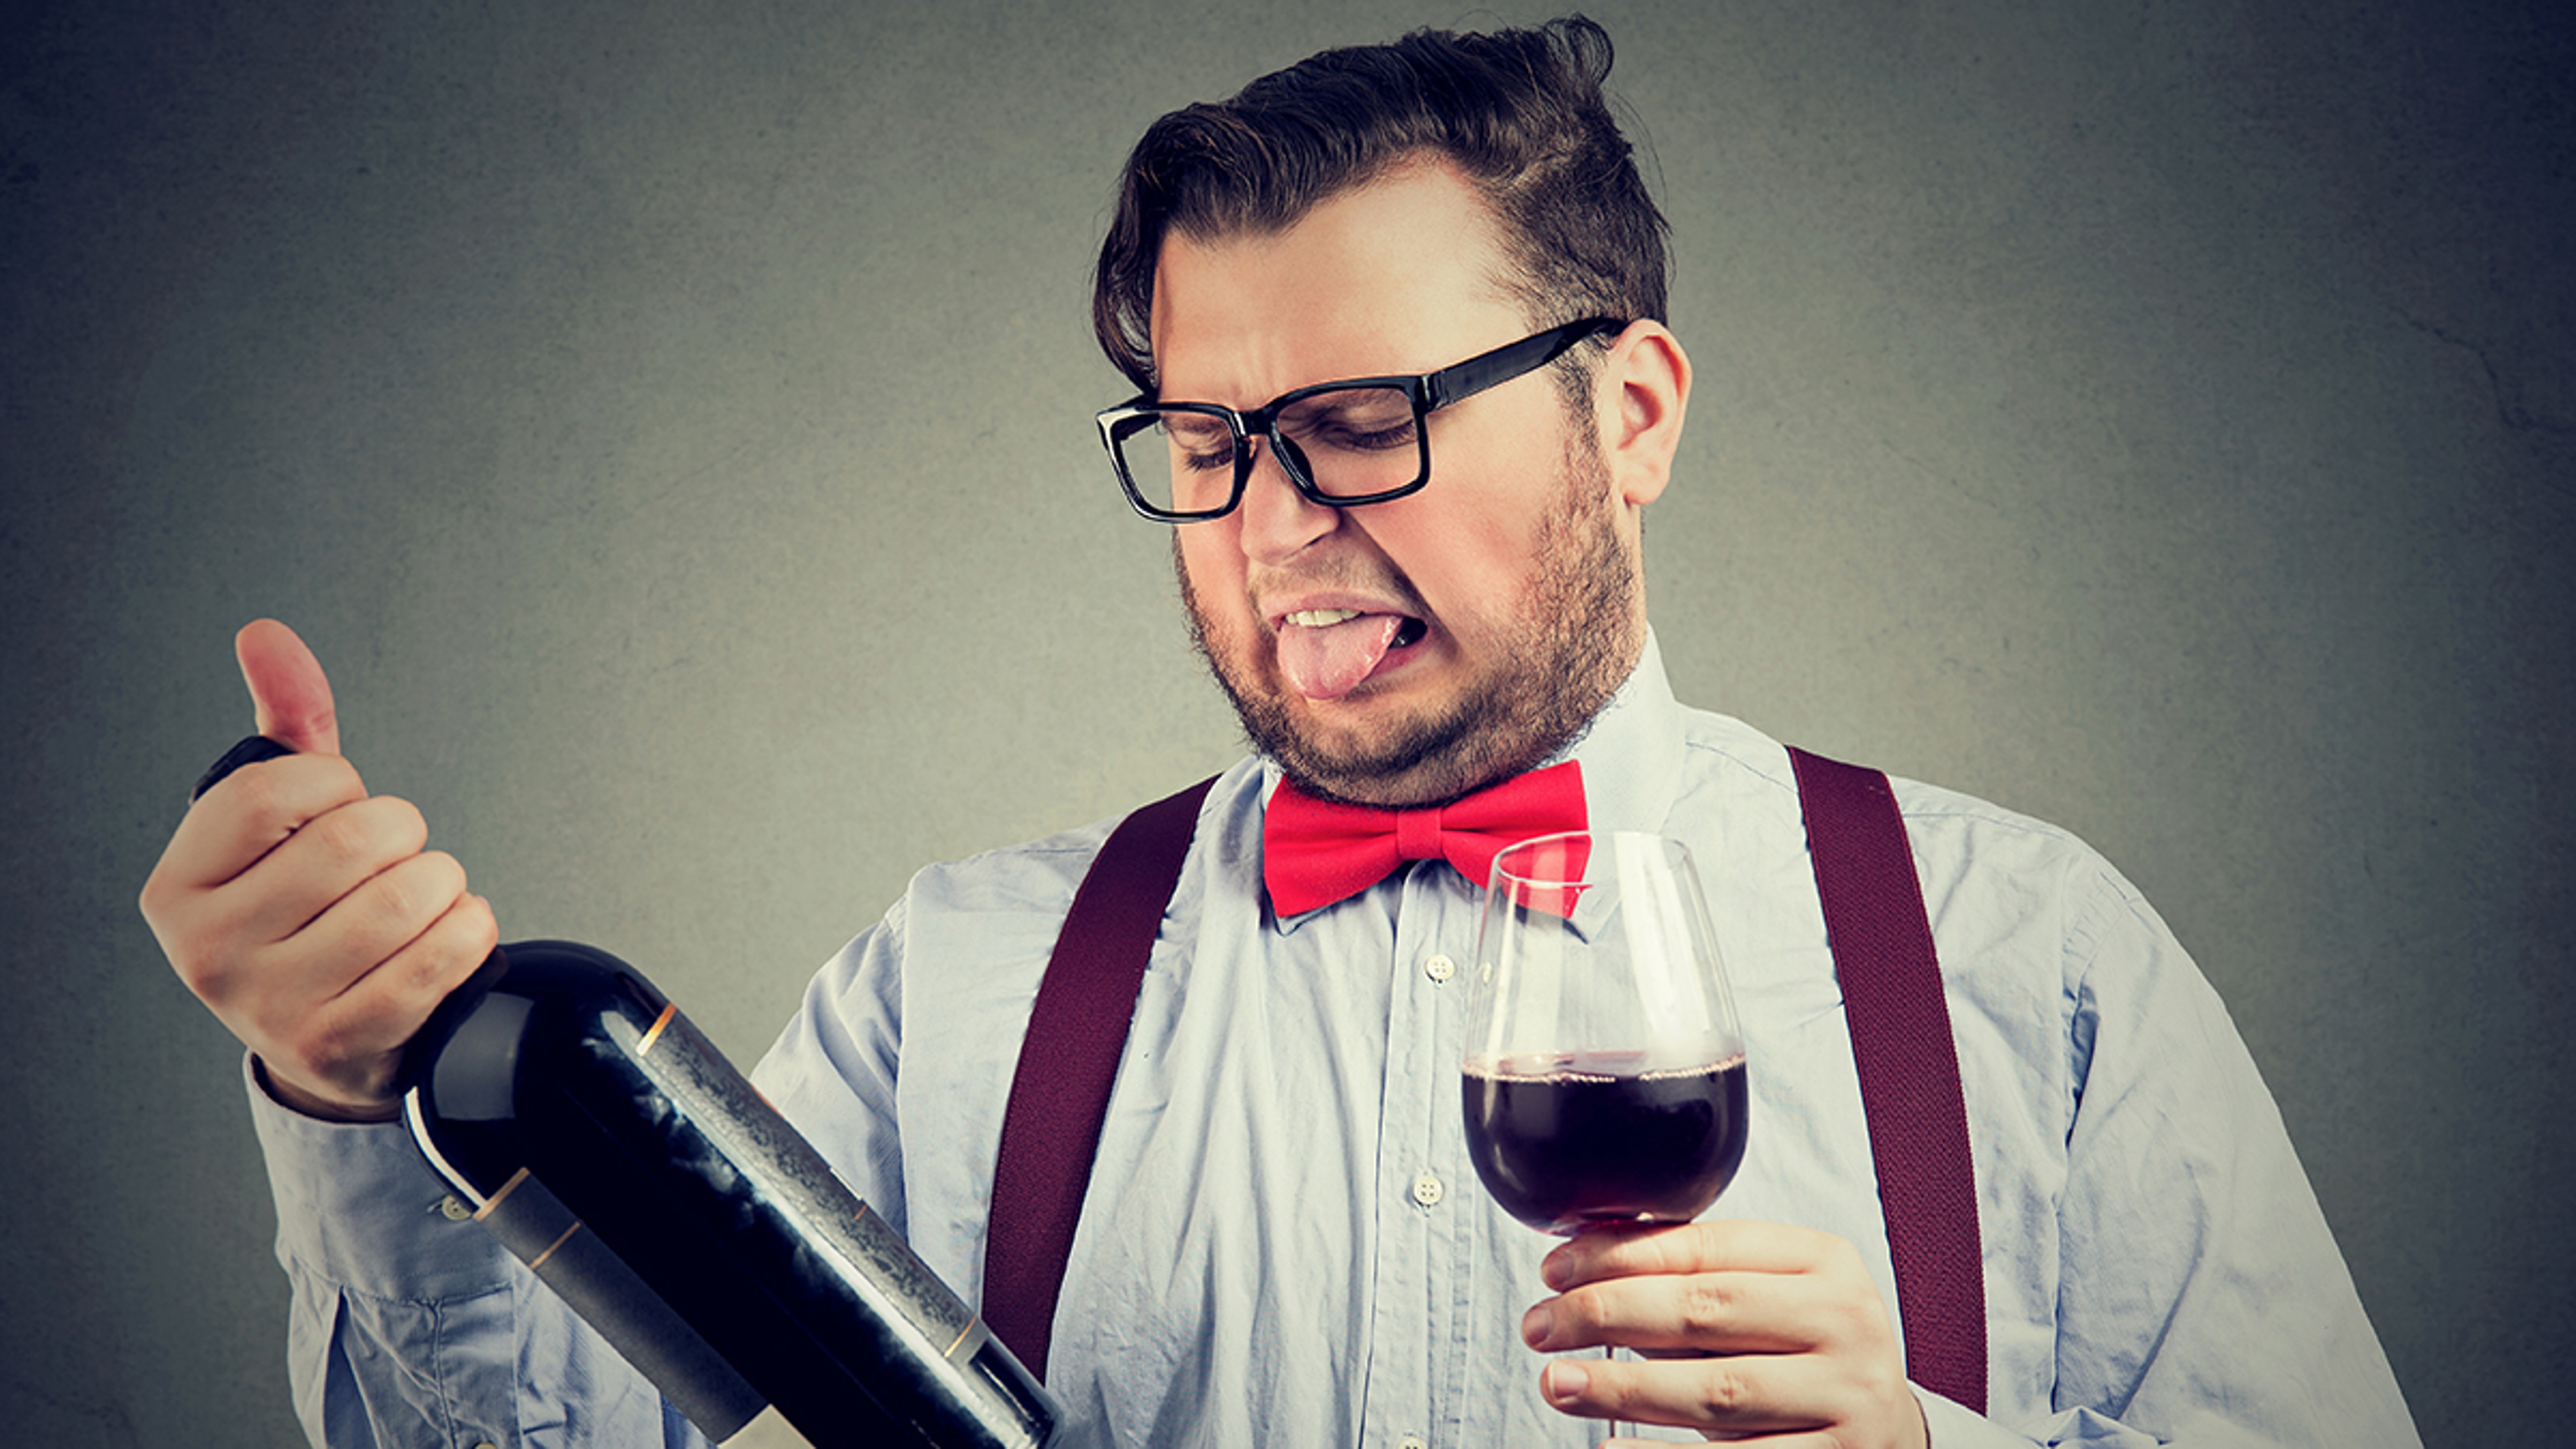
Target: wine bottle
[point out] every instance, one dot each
(608, 1145)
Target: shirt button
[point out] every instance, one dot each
(1427, 1190)
(456, 1212)
(1411, 1441)
(1439, 968)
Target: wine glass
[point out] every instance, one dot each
(1604, 1073)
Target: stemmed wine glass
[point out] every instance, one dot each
(1604, 1072)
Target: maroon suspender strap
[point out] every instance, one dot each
(1909, 1069)
(1069, 1057)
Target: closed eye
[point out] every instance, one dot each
(1200, 447)
(1368, 440)
(1361, 420)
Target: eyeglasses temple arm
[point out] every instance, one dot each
(1468, 378)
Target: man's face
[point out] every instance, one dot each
(1403, 652)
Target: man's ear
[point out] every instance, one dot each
(1641, 393)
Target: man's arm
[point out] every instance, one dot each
(311, 919)
(409, 1325)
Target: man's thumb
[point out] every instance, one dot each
(288, 688)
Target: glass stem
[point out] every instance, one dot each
(1610, 1354)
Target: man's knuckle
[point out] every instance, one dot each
(388, 903)
(430, 966)
(1861, 1318)
(445, 873)
(401, 818)
(1707, 1304)
(205, 978)
(343, 836)
(1723, 1393)
(1842, 1257)
(205, 952)
(1672, 1250)
(256, 795)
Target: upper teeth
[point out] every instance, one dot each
(1318, 618)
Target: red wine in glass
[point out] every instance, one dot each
(1604, 1077)
(1565, 1142)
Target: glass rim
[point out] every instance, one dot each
(1498, 873)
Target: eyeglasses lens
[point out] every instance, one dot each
(1349, 442)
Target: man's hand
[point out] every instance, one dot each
(1754, 1331)
(304, 912)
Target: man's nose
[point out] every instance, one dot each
(1278, 521)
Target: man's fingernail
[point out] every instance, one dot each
(1566, 1381)
(1535, 1325)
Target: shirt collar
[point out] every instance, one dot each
(1632, 753)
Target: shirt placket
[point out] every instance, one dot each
(1418, 1284)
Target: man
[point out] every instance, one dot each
(1411, 591)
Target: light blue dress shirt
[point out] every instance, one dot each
(1284, 1242)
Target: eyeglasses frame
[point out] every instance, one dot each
(1429, 392)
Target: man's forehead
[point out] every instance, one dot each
(1384, 277)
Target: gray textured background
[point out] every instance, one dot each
(671, 426)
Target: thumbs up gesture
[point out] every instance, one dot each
(307, 914)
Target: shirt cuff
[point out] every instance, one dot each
(357, 1206)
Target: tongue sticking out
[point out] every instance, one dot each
(1327, 661)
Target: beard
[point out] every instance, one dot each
(1538, 693)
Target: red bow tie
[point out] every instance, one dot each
(1315, 852)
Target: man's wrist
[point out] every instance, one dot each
(306, 1104)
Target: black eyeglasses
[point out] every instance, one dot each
(1343, 444)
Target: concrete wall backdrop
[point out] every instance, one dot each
(671, 426)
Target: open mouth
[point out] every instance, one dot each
(1326, 653)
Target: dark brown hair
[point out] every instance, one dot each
(1518, 112)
